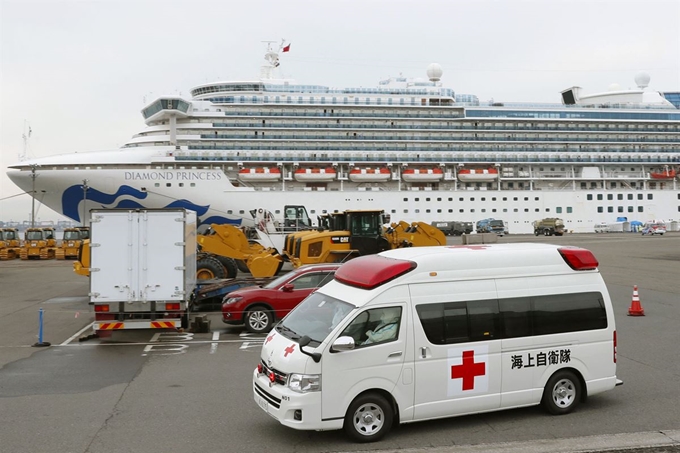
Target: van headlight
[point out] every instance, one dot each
(304, 383)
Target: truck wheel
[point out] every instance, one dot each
(258, 320)
(536, 232)
(208, 268)
(369, 418)
(562, 393)
(230, 266)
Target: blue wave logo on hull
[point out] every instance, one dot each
(73, 196)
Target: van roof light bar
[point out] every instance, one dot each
(579, 259)
(371, 271)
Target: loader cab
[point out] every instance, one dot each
(334, 221)
(366, 231)
(295, 218)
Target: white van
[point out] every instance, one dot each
(430, 332)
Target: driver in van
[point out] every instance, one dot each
(386, 329)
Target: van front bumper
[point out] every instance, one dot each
(296, 410)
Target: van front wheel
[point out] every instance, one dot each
(562, 393)
(369, 418)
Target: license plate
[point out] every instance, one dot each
(263, 403)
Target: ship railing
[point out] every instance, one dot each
(465, 127)
(342, 109)
(214, 157)
(384, 136)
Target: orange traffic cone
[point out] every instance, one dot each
(635, 307)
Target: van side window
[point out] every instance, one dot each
(379, 325)
(459, 322)
(481, 320)
(568, 313)
(557, 313)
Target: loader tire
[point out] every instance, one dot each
(208, 268)
(229, 265)
(241, 265)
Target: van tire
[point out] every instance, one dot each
(562, 393)
(369, 418)
(258, 319)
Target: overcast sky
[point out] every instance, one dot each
(79, 72)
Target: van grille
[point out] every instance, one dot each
(271, 399)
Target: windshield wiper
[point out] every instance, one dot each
(282, 328)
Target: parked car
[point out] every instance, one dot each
(653, 228)
(258, 307)
(602, 228)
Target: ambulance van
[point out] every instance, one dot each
(430, 332)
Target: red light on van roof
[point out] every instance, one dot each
(579, 259)
(371, 271)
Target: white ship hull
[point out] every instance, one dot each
(212, 195)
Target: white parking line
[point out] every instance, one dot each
(213, 346)
(80, 332)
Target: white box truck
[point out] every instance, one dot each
(142, 268)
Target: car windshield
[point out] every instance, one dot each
(316, 317)
(277, 281)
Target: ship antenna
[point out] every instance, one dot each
(25, 136)
(272, 59)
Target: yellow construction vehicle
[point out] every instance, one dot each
(355, 233)
(82, 264)
(70, 243)
(10, 244)
(340, 236)
(222, 244)
(39, 243)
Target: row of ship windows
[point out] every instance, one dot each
(415, 146)
(443, 136)
(589, 197)
(428, 88)
(448, 113)
(356, 120)
(446, 126)
(558, 210)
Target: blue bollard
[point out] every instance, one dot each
(40, 330)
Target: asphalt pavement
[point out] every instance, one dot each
(184, 392)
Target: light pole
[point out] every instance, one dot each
(85, 187)
(33, 176)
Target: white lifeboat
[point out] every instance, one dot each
(422, 174)
(315, 174)
(381, 174)
(259, 174)
(478, 174)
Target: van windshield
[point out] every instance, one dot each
(316, 317)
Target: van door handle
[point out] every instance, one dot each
(394, 354)
(423, 352)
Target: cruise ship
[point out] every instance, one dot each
(411, 147)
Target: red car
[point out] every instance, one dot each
(259, 306)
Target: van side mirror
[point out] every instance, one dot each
(343, 344)
(288, 287)
(304, 341)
